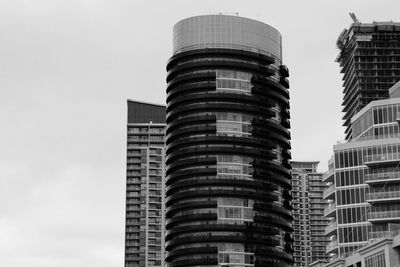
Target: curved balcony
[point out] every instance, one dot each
(331, 228)
(382, 178)
(384, 196)
(194, 146)
(328, 176)
(330, 211)
(332, 247)
(194, 262)
(384, 216)
(382, 159)
(329, 193)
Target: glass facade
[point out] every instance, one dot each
(355, 169)
(233, 82)
(378, 123)
(366, 178)
(230, 32)
(376, 260)
(145, 207)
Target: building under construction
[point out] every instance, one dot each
(370, 61)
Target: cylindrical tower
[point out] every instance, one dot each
(228, 149)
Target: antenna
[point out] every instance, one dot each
(354, 18)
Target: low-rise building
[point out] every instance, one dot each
(384, 252)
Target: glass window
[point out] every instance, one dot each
(351, 163)
(346, 158)
(385, 115)
(355, 153)
(336, 160)
(376, 260)
(341, 159)
(375, 115)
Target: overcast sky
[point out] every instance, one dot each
(66, 70)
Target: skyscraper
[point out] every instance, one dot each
(309, 221)
(145, 185)
(364, 178)
(370, 61)
(228, 193)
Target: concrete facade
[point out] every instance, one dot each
(145, 185)
(370, 62)
(308, 213)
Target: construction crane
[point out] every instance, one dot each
(354, 18)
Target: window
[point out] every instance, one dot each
(376, 260)
(233, 82)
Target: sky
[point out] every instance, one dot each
(67, 69)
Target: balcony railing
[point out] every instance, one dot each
(384, 215)
(317, 212)
(377, 137)
(330, 192)
(382, 177)
(328, 176)
(378, 234)
(383, 234)
(333, 245)
(318, 223)
(381, 158)
(383, 196)
(330, 210)
(332, 227)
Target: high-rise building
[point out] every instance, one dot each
(145, 185)
(228, 193)
(370, 61)
(309, 221)
(364, 178)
